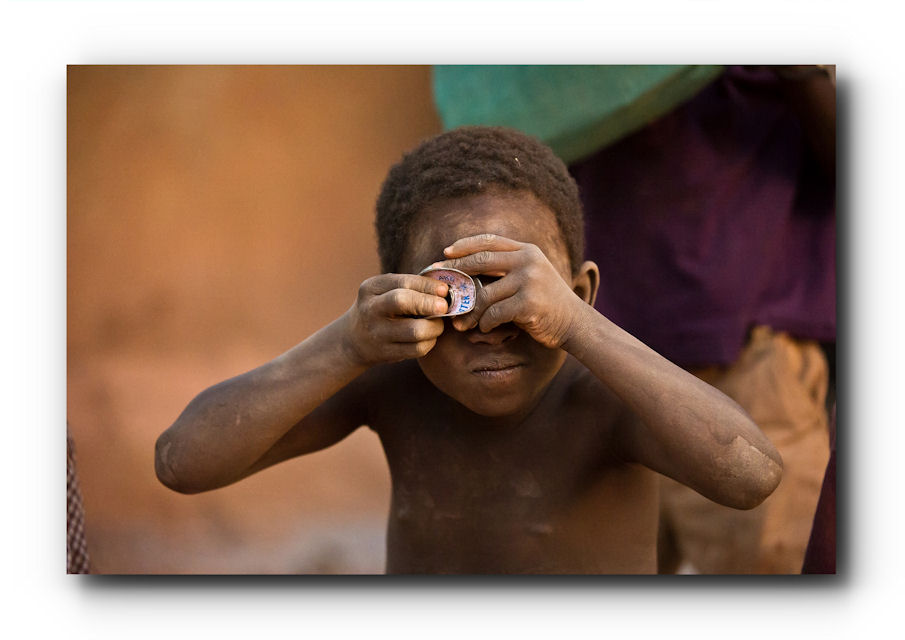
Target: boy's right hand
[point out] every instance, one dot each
(387, 323)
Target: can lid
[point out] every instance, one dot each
(462, 289)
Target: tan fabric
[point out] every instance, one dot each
(782, 384)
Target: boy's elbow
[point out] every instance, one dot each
(745, 474)
(164, 469)
(759, 485)
(173, 473)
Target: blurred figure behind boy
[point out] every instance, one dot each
(719, 218)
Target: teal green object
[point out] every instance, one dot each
(576, 110)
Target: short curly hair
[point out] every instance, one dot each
(467, 161)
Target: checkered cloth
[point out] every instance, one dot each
(76, 548)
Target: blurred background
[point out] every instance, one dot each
(219, 215)
(216, 217)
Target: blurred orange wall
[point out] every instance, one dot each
(216, 217)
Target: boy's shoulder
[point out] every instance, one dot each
(394, 378)
(580, 390)
(393, 386)
(578, 418)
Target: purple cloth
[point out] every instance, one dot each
(711, 220)
(820, 556)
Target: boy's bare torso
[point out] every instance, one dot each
(476, 495)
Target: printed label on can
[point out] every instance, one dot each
(461, 297)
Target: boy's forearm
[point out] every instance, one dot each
(697, 432)
(228, 427)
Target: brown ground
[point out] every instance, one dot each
(217, 216)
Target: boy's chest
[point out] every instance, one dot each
(536, 503)
(545, 496)
(511, 475)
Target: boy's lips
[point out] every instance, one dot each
(496, 365)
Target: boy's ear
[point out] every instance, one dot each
(586, 282)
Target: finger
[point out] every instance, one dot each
(504, 311)
(407, 350)
(484, 297)
(410, 330)
(491, 263)
(482, 242)
(389, 281)
(407, 302)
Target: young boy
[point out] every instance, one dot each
(521, 437)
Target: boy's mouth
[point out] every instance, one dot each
(497, 368)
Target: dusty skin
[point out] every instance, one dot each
(523, 437)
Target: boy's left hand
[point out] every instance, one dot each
(531, 293)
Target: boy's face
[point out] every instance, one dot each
(503, 372)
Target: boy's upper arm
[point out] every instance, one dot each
(335, 418)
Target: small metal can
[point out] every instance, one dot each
(462, 289)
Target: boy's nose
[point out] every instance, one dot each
(497, 335)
